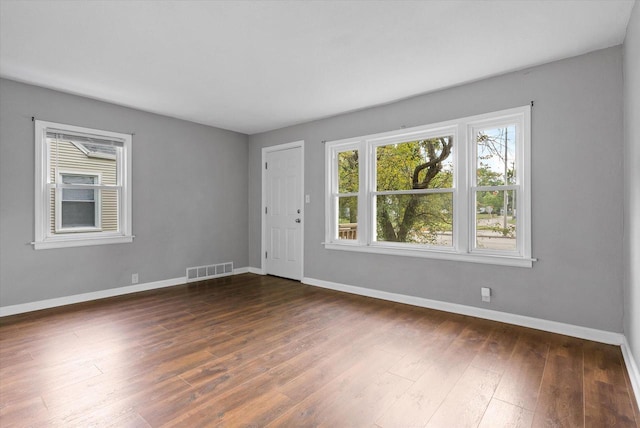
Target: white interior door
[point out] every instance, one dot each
(283, 212)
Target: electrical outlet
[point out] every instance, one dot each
(485, 293)
(134, 278)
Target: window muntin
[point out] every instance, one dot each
(483, 164)
(83, 188)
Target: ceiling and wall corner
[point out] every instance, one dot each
(256, 66)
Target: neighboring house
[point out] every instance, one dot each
(82, 163)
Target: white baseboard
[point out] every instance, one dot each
(632, 368)
(102, 294)
(257, 271)
(524, 321)
(85, 297)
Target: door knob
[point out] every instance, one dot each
(298, 220)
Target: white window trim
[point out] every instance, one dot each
(43, 238)
(97, 203)
(463, 191)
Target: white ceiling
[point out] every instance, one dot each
(252, 66)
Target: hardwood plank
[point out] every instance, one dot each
(93, 404)
(521, 380)
(24, 385)
(416, 406)
(195, 406)
(229, 371)
(257, 412)
(505, 415)
(320, 367)
(370, 402)
(632, 396)
(607, 400)
(213, 410)
(496, 352)
(108, 416)
(254, 350)
(425, 350)
(560, 401)
(26, 412)
(465, 405)
(356, 397)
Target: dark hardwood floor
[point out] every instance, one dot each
(261, 351)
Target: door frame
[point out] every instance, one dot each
(263, 217)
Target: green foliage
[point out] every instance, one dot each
(496, 200)
(486, 177)
(348, 171)
(416, 165)
(397, 165)
(420, 164)
(432, 216)
(348, 209)
(348, 182)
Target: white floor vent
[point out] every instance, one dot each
(198, 273)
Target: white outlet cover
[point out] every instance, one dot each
(485, 292)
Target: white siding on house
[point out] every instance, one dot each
(66, 157)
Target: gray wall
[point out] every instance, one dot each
(189, 198)
(577, 193)
(632, 181)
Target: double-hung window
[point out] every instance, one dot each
(457, 190)
(77, 209)
(83, 186)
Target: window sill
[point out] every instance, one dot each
(491, 259)
(80, 242)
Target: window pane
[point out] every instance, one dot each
(496, 156)
(348, 171)
(495, 225)
(78, 214)
(78, 179)
(421, 164)
(78, 194)
(421, 219)
(348, 217)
